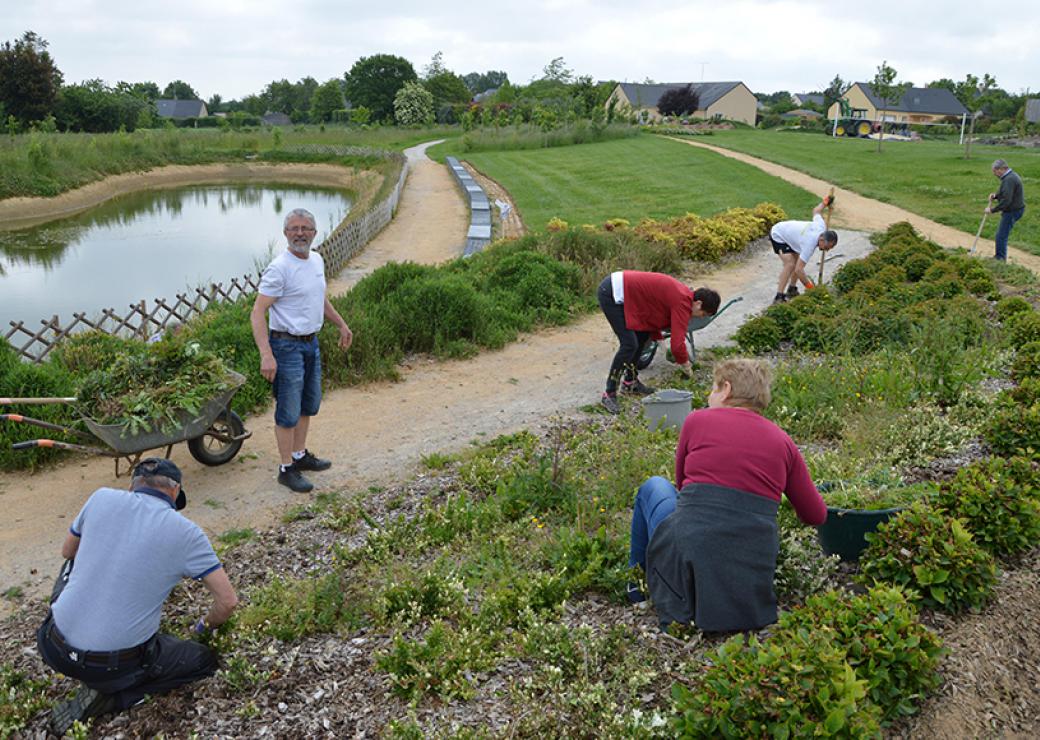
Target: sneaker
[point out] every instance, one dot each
(609, 402)
(310, 462)
(779, 298)
(636, 387)
(635, 594)
(86, 703)
(792, 291)
(293, 479)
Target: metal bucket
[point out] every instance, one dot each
(667, 408)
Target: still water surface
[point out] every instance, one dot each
(150, 244)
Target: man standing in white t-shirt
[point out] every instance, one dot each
(292, 291)
(794, 242)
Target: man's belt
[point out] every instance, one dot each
(286, 335)
(98, 658)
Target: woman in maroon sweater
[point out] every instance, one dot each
(709, 550)
(639, 306)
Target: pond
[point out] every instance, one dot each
(150, 244)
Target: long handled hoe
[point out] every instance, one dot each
(827, 222)
(979, 232)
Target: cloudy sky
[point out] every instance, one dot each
(235, 47)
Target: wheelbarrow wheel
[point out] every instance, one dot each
(212, 450)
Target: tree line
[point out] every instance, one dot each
(382, 88)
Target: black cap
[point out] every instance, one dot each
(161, 466)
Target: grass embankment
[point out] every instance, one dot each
(41, 164)
(930, 178)
(632, 178)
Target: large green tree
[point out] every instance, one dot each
(328, 97)
(95, 107)
(373, 82)
(29, 80)
(180, 90)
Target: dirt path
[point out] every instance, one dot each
(854, 211)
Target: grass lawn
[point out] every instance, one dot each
(930, 178)
(643, 177)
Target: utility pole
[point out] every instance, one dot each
(703, 65)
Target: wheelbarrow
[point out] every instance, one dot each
(214, 435)
(696, 323)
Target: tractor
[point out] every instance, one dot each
(853, 121)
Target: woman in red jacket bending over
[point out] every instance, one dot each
(639, 305)
(709, 550)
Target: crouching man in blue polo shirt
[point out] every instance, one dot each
(126, 552)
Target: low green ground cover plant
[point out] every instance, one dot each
(21, 697)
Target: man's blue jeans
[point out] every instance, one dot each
(654, 502)
(1007, 220)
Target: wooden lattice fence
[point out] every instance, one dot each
(339, 247)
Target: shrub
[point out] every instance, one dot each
(1012, 305)
(20, 698)
(916, 266)
(759, 334)
(797, 686)
(851, 274)
(888, 648)
(785, 315)
(1027, 362)
(801, 567)
(1015, 427)
(440, 664)
(999, 501)
(933, 554)
(1023, 327)
(814, 333)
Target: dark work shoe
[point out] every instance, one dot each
(86, 703)
(292, 478)
(310, 462)
(609, 402)
(635, 596)
(792, 291)
(779, 298)
(636, 387)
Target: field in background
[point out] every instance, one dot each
(638, 178)
(46, 164)
(930, 178)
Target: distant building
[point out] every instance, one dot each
(482, 96)
(801, 113)
(918, 105)
(733, 101)
(275, 118)
(181, 108)
(804, 98)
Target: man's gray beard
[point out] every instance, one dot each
(300, 250)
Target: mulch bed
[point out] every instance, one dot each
(327, 685)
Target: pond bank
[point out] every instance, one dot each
(16, 213)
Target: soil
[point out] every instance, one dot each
(512, 225)
(376, 436)
(19, 213)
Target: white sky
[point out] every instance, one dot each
(235, 47)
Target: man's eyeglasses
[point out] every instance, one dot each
(301, 230)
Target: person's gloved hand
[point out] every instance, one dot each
(828, 200)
